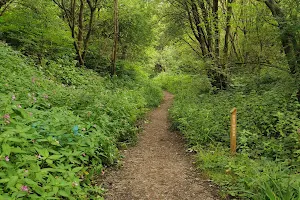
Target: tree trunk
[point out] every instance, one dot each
(288, 39)
(90, 27)
(216, 25)
(200, 30)
(116, 33)
(81, 29)
(195, 32)
(80, 34)
(228, 27)
(208, 42)
(219, 79)
(207, 25)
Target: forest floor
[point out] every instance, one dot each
(158, 167)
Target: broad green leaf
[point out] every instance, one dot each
(49, 161)
(12, 182)
(5, 180)
(38, 189)
(55, 190)
(6, 149)
(17, 150)
(63, 193)
(76, 169)
(30, 182)
(55, 157)
(19, 194)
(43, 152)
(17, 140)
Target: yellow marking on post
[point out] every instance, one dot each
(233, 131)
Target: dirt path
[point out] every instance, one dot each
(158, 167)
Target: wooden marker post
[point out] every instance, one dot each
(233, 131)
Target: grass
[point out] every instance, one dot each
(267, 163)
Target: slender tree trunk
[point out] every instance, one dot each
(207, 24)
(216, 25)
(200, 30)
(196, 33)
(228, 27)
(288, 39)
(209, 43)
(80, 34)
(233, 38)
(219, 79)
(90, 27)
(116, 33)
(81, 29)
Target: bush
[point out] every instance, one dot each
(33, 27)
(246, 178)
(180, 83)
(268, 132)
(60, 126)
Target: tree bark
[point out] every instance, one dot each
(207, 25)
(196, 30)
(216, 25)
(288, 39)
(228, 27)
(197, 22)
(116, 34)
(90, 26)
(81, 31)
(209, 42)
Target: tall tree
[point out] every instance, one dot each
(116, 33)
(215, 13)
(289, 42)
(228, 27)
(203, 20)
(80, 18)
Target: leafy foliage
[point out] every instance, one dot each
(136, 24)
(33, 27)
(245, 178)
(61, 125)
(268, 132)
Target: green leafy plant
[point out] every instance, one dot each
(267, 164)
(60, 126)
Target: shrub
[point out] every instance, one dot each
(60, 126)
(268, 132)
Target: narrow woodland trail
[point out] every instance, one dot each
(158, 167)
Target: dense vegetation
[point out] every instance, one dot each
(267, 164)
(244, 54)
(61, 125)
(67, 103)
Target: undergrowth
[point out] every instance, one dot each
(267, 163)
(61, 125)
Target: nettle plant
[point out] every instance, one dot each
(49, 153)
(59, 126)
